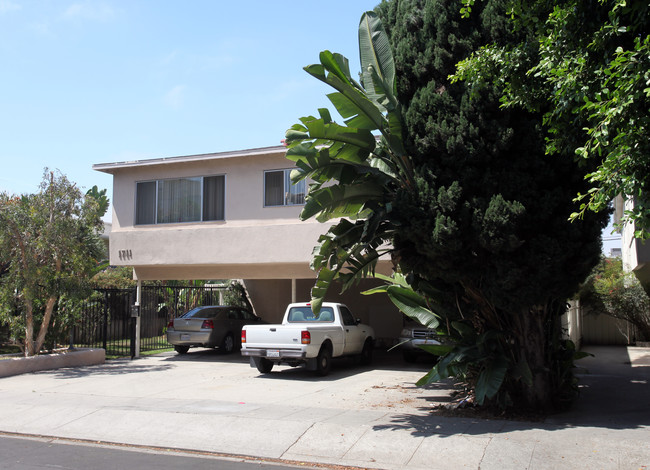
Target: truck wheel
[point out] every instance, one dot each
(409, 356)
(182, 349)
(264, 365)
(366, 353)
(324, 361)
(228, 344)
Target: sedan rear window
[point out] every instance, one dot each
(305, 314)
(202, 312)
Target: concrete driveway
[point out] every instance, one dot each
(357, 416)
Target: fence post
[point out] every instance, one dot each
(105, 325)
(132, 335)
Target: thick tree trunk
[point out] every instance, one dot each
(536, 332)
(533, 350)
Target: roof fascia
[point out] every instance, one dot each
(112, 167)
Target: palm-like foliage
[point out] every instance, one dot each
(364, 159)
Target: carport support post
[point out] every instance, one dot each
(293, 291)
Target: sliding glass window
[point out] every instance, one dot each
(180, 200)
(279, 191)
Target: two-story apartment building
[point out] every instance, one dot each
(229, 215)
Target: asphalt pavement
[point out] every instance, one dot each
(368, 417)
(29, 453)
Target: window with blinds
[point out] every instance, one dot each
(179, 200)
(279, 191)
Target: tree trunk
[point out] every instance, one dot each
(531, 337)
(29, 327)
(49, 309)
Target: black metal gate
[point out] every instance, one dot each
(107, 322)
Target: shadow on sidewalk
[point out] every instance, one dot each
(114, 367)
(614, 394)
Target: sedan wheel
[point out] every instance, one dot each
(228, 344)
(182, 349)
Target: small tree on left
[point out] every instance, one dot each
(49, 248)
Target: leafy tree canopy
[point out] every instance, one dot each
(617, 293)
(488, 221)
(457, 190)
(49, 247)
(586, 66)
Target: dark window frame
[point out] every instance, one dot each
(284, 197)
(147, 211)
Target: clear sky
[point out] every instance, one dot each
(96, 81)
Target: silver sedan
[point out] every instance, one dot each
(210, 327)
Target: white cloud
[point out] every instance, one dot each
(175, 97)
(90, 11)
(8, 5)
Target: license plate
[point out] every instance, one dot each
(273, 353)
(185, 337)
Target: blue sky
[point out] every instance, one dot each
(88, 81)
(96, 81)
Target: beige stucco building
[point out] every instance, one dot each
(229, 215)
(635, 252)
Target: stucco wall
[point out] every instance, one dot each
(252, 242)
(244, 175)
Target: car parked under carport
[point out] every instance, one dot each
(214, 326)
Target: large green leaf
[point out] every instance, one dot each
(376, 56)
(490, 379)
(353, 115)
(413, 305)
(332, 202)
(442, 370)
(466, 331)
(361, 263)
(356, 96)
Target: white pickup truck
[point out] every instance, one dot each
(305, 338)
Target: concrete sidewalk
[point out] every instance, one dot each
(371, 418)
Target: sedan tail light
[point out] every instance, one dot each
(243, 336)
(305, 337)
(207, 325)
(171, 323)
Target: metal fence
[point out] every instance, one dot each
(107, 322)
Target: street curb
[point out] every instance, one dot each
(67, 358)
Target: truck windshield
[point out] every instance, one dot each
(304, 314)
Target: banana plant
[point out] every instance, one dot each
(354, 168)
(465, 354)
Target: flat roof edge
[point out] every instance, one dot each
(109, 167)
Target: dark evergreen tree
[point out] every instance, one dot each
(489, 221)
